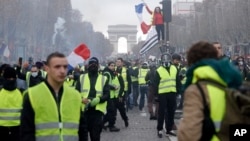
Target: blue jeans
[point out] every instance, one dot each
(135, 93)
(143, 92)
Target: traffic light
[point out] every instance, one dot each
(167, 10)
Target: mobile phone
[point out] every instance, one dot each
(20, 61)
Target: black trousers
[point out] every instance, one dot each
(110, 116)
(94, 122)
(167, 106)
(9, 133)
(120, 106)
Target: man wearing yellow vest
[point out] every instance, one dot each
(166, 79)
(32, 77)
(52, 110)
(40, 67)
(95, 92)
(142, 83)
(11, 101)
(134, 80)
(116, 90)
(120, 102)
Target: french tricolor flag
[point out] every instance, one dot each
(78, 55)
(144, 26)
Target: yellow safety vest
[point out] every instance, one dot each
(43, 73)
(183, 81)
(124, 76)
(116, 83)
(142, 75)
(216, 96)
(70, 82)
(85, 88)
(168, 80)
(113, 82)
(28, 74)
(47, 124)
(133, 78)
(10, 107)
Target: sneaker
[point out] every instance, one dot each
(159, 133)
(114, 129)
(169, 133)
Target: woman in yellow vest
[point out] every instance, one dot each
(208, 72)
(11, 101)
(51, 109)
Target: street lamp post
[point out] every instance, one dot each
(167, 17)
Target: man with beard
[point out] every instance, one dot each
(94, 89)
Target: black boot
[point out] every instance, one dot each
(104, 128)
(114, 129)
(126, 123)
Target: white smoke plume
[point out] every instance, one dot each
(59, 29)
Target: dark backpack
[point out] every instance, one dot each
(237, 111)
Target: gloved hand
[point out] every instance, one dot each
(95, 101)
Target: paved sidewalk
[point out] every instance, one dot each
(140, 129)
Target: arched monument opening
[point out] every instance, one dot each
(117, 33)
(122, 45)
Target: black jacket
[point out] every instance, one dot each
(150, 76)
(27, 127)
(113, 75)
(33, 80)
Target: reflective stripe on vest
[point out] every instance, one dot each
(57, 138)
(217, 107)
(142, 75)
(10, 107)
(51, 125)
(85, 88)
(167, 80)
(47, 124)
(28, 74)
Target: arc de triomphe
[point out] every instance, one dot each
(127, 31)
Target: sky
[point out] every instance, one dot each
(102, 13)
